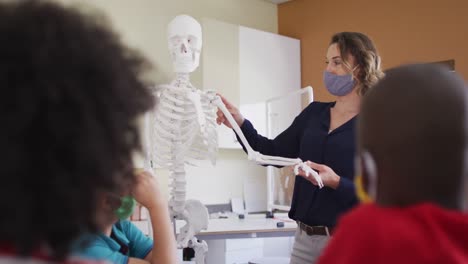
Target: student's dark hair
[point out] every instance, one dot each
(414, 123)
(71, 94)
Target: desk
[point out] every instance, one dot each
(246, 228)
(234, 240)
(253, 226)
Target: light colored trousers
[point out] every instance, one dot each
(307, 249)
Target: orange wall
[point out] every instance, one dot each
(404, 31)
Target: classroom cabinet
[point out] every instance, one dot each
(248, 66)
(233, 251)
(241, 251)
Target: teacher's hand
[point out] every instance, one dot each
(329, 177)
(234, 111)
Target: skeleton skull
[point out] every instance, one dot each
(185, 43)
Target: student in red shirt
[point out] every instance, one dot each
(70, 97)
(413, 143)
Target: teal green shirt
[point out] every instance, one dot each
(126, 241)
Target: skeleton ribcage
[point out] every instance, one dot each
(177, 135)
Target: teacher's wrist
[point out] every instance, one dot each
(334, 182)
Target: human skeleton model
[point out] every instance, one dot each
(184, 128)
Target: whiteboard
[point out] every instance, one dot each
(269, 65)
(281, 112)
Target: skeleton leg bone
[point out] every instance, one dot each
(201, 248)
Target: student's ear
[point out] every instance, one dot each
(106, 202)
(361, 181)
(464, 197)
(369, 174)
(104, 210)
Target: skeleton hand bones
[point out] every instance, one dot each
(231, 117)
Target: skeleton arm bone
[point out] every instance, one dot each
(194, 97)
(266, 159)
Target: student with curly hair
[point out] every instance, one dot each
(120, 241)
(70, 97)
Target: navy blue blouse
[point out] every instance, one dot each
(308, 139)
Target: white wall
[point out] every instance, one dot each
(142, 25)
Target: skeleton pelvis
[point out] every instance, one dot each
(197, 215)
